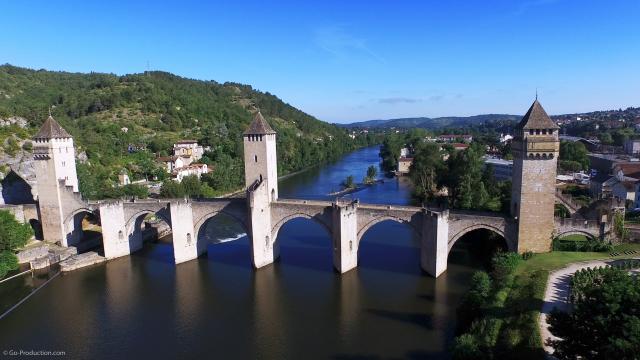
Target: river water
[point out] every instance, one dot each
(220, 307)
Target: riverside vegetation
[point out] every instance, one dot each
(470, 185)
(12, 236)
(499, 316)
(122, 122)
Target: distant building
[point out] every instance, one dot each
(452, 137)
(188, 148)
(502, 169)
(632, 147)
(404, 152)
(460, 146)
(123, 178)
(183, 163)
(505, 138)
(189, 170)
(404, 164)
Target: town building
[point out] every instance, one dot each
(188, 148)
(632, 147)
(404, 164)
(183, 162)
(453, 137)
(123, 178)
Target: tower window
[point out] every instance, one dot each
(63, 163)
(544, 131)
(255, 158)
(530, 131)
(537, 131)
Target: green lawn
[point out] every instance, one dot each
(521, 309)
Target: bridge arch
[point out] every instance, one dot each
(276, 228)
(414, 229)
(134, 224)
(455, 237)
(75, 233)
(203, 220)
(589, 235)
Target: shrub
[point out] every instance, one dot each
(503, 264)
(466, 347)
(27, 146)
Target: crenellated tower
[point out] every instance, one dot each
(535, 148)
(260, 158)
(55, 167)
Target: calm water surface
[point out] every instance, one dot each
(220, 307)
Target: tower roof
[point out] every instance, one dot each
(537, 118)
(259, 126)
(51, 130)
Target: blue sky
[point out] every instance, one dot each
(347, 61)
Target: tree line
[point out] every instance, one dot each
(107, 113)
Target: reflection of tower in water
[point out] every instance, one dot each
(270, 320)
(349, 285)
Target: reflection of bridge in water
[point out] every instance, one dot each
(262, 214)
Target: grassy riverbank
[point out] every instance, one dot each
(514, 307)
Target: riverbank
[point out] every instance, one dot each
(524, 300)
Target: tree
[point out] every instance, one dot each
(605, 320)
(372, 172)
(426, 170)
(171, 189)
(348, 182)
(12, 236)
(192, 186)
(576, 152)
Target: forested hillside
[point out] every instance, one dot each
(158, 108)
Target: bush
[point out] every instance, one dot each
(8, 262)
(581, 245)
(27, 146)
(503, 264)
(12, 236)
(466, 347)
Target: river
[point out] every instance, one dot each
(219, 307)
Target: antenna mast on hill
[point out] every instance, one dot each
(148, 68)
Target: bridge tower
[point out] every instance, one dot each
(55, 167)
(261, 165)
(260, 158)
(535, 148)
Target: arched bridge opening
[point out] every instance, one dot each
(151, 226)
(84, 230)
(389, 244)
(223, 237)
(475, 246)
(303, 240)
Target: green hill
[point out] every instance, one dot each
(158, 108)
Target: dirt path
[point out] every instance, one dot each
(557, 294)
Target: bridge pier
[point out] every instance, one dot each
(185, 245)
(434, 250)
(263, 251)
(345, 237)
(115, 239)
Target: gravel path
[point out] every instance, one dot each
(557, 294)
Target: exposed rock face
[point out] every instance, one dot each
(18, 185)
(14, 120)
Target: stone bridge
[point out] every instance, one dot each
(61, 209)
(589, 228)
